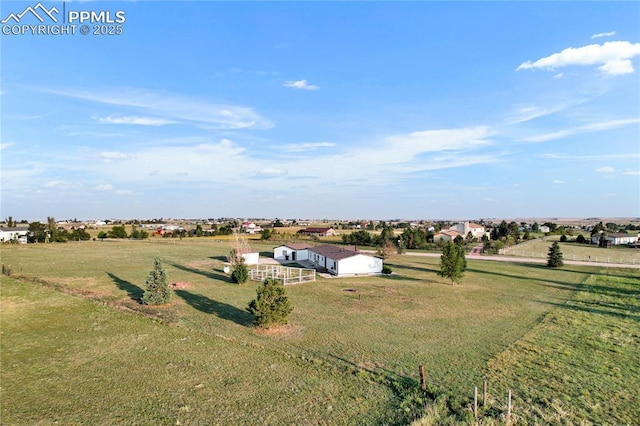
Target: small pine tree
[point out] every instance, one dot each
(554, 258)
(157, 286)
(452, 262)
(240, 272)
(271, 307)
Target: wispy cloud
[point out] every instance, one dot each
(632, 173)
(300, 84)
(306, 146)
(113, 155)
(558, 181)
(599, 35)
(596, 157)
(605, 170)
(614, 58)
(588, 128)
(270, 172)
(142, 121)
(170, 107)
(107, 187)
(5, 145)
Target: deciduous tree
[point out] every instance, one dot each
(452, 262)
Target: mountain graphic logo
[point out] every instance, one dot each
(43, 11)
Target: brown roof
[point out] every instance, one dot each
(449, 233)
(475, 225)
(333, 252)
(313, 230)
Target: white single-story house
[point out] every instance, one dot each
(342, 261)
(447, 236)
(617, 239)
(477, 231)
(544, 229)
(291, 252)
(14, 234)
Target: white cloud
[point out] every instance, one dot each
(599, 35)
(613, 58)
(5, 145)
(142, 121)
(558, 181)
(300, 84)
(598, 157)
(270, 172)
(632, 173)
(606, 170)
(588, 128)
(171, 108)
(107, 187)
(306, 146)
(113, 155)
(559, 75)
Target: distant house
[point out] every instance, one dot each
(341, 261)
(447, 236)
(477, 231)
(616, 239)
(291, 252)
(14, 234)
(251, 228)
(317, 232)
(544, 229)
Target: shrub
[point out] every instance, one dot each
(240, 273)
(271, 307)
(386, 269)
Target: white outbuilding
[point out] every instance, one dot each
(291, 252)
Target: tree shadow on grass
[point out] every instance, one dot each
(219, 309)
(209, 274)
(133, 291)
(617, 311)
(596, 270)
(220, 258)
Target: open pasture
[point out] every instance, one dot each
(575, 251)
(348, 340)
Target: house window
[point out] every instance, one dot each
(334, 266)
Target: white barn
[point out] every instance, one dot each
(13, 234)
(342, 261)
(291, 252)
(617, 239)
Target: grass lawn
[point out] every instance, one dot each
(581, 365)
(575, 251)
(348, 339)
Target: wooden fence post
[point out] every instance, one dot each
(423, 381)
(509, 407)
(475, 402)
(485, 389)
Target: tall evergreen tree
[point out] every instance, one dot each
(157, 290)
(452, 262)
(554, 258)
(271, 307)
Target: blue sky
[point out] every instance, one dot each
(325, 110)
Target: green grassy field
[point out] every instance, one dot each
(575, 251)
(350, 342)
